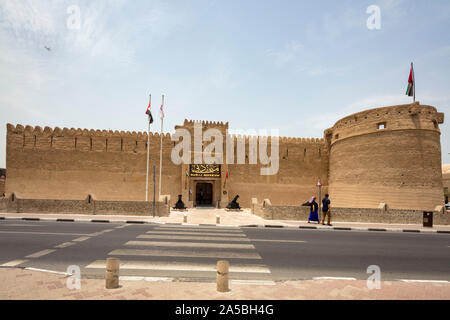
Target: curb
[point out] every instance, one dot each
(269, 226)
(233, 281)
(348, 229)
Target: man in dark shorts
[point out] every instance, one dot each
(326, 204)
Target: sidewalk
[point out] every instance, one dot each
(34, 285)
(227, 218)
(19, 283)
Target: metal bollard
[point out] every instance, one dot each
(217, 219)
(185, 218)
(222, 276)
(112, 273)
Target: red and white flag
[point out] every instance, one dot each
(161, 110)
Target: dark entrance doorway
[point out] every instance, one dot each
(203, 194)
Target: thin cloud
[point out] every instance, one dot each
(300, 59)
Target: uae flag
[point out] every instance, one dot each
(411, 84)
(150, 117)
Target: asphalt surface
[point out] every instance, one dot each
(191, 252)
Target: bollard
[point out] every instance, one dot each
(217, 219)
(222, 276)
(185, 218)
(112, 273)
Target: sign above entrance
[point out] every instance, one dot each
(204, 170)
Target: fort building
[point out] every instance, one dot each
(446, 181)
(388, 155)
(2, 181)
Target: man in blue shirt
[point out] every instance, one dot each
(326, 204)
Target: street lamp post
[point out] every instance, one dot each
(319, 184)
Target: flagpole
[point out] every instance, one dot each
(148, 153)
(414, 82)
(160, 150)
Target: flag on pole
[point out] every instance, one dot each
(411, 85)
(150, 117)
(161, 110)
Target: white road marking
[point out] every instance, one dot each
(176, 237)
(425, 281)
(48, 271)
(23, 225)
(255, 282)
(197, 229)
(13, 263)
(81, 239)
(46, 233)
(40, 253)
(198, 233)
(150, 279)
(179, 253)
(179, 266)
(190, 244)
(333, 278)
(64, 245)
(267, 240)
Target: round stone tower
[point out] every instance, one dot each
(387, 155)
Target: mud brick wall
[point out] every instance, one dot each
(300, 213)
(89, 206)
(359, 164)
(3, 204)
(2, 187)
(399, 164)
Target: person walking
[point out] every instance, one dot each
(314, 208)
(326, 204)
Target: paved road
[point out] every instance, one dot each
(191, 252)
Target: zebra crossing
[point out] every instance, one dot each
(189, 253)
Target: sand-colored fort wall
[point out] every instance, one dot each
(399, 165)
(89, 206)
(3, 204)
(446, 179)
(69, 164)
(301, 162)
(359, 164)
(266, 210)
(2, 187)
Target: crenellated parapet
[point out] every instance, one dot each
(412, 116)
(70, 139)
(48, 131)
(209, 124)
(281, 140)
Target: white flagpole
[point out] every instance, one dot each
(160, 151)
(414, 82)
(148, 153)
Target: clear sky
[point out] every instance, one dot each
(260, 64)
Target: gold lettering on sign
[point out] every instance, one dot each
(204, 170)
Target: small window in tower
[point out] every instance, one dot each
(336, 136)
(382, 126)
